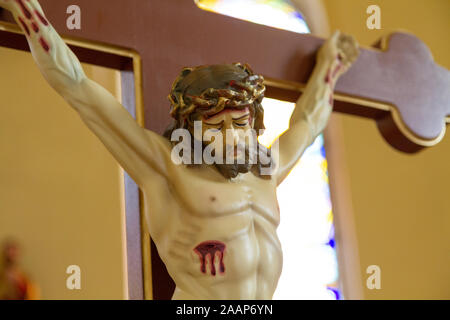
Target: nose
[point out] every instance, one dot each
(232, 137)
(231, 141)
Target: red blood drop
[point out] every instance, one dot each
(338, 67)
(39, 15)
(210, 248)
(24, 26)
(24, 9)
(328, 77)
(44, 44)
(35, 27)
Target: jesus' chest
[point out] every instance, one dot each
(209, 198)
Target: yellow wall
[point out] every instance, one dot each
(400, 201)
(60, 190)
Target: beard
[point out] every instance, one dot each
(232, 170)
(250, 161)
(242, 164)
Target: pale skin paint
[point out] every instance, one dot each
(184, 207)
(231, 121)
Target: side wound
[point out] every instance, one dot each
(211, 248)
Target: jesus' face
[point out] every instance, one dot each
(235, 127)
(210, 101)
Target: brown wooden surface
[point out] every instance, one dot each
(171, 34)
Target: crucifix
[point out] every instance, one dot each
(395, 83)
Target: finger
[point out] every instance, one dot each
(353, 52)
(346, 43)
(342, 37)
(349, 46)
(354, 57)
(335, 36)
(352, 41)
(356, 49)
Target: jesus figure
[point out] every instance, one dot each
(214, 224)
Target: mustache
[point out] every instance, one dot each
(232, 150)
(241, 153)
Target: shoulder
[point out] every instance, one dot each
(158, 139)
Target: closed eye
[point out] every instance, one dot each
(241, 121)
(215, 126)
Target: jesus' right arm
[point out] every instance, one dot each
(142, 153)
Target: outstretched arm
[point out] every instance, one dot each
(314, 107)
(141, 153)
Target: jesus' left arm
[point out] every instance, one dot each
(313, 108)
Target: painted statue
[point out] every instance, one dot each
(214, 222)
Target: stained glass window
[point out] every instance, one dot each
(306, 230)
(275, 13)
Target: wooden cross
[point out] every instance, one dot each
(395, 83)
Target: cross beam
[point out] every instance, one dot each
(396, 82)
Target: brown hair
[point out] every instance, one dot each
(206, 90)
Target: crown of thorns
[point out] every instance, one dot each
(239, 93)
